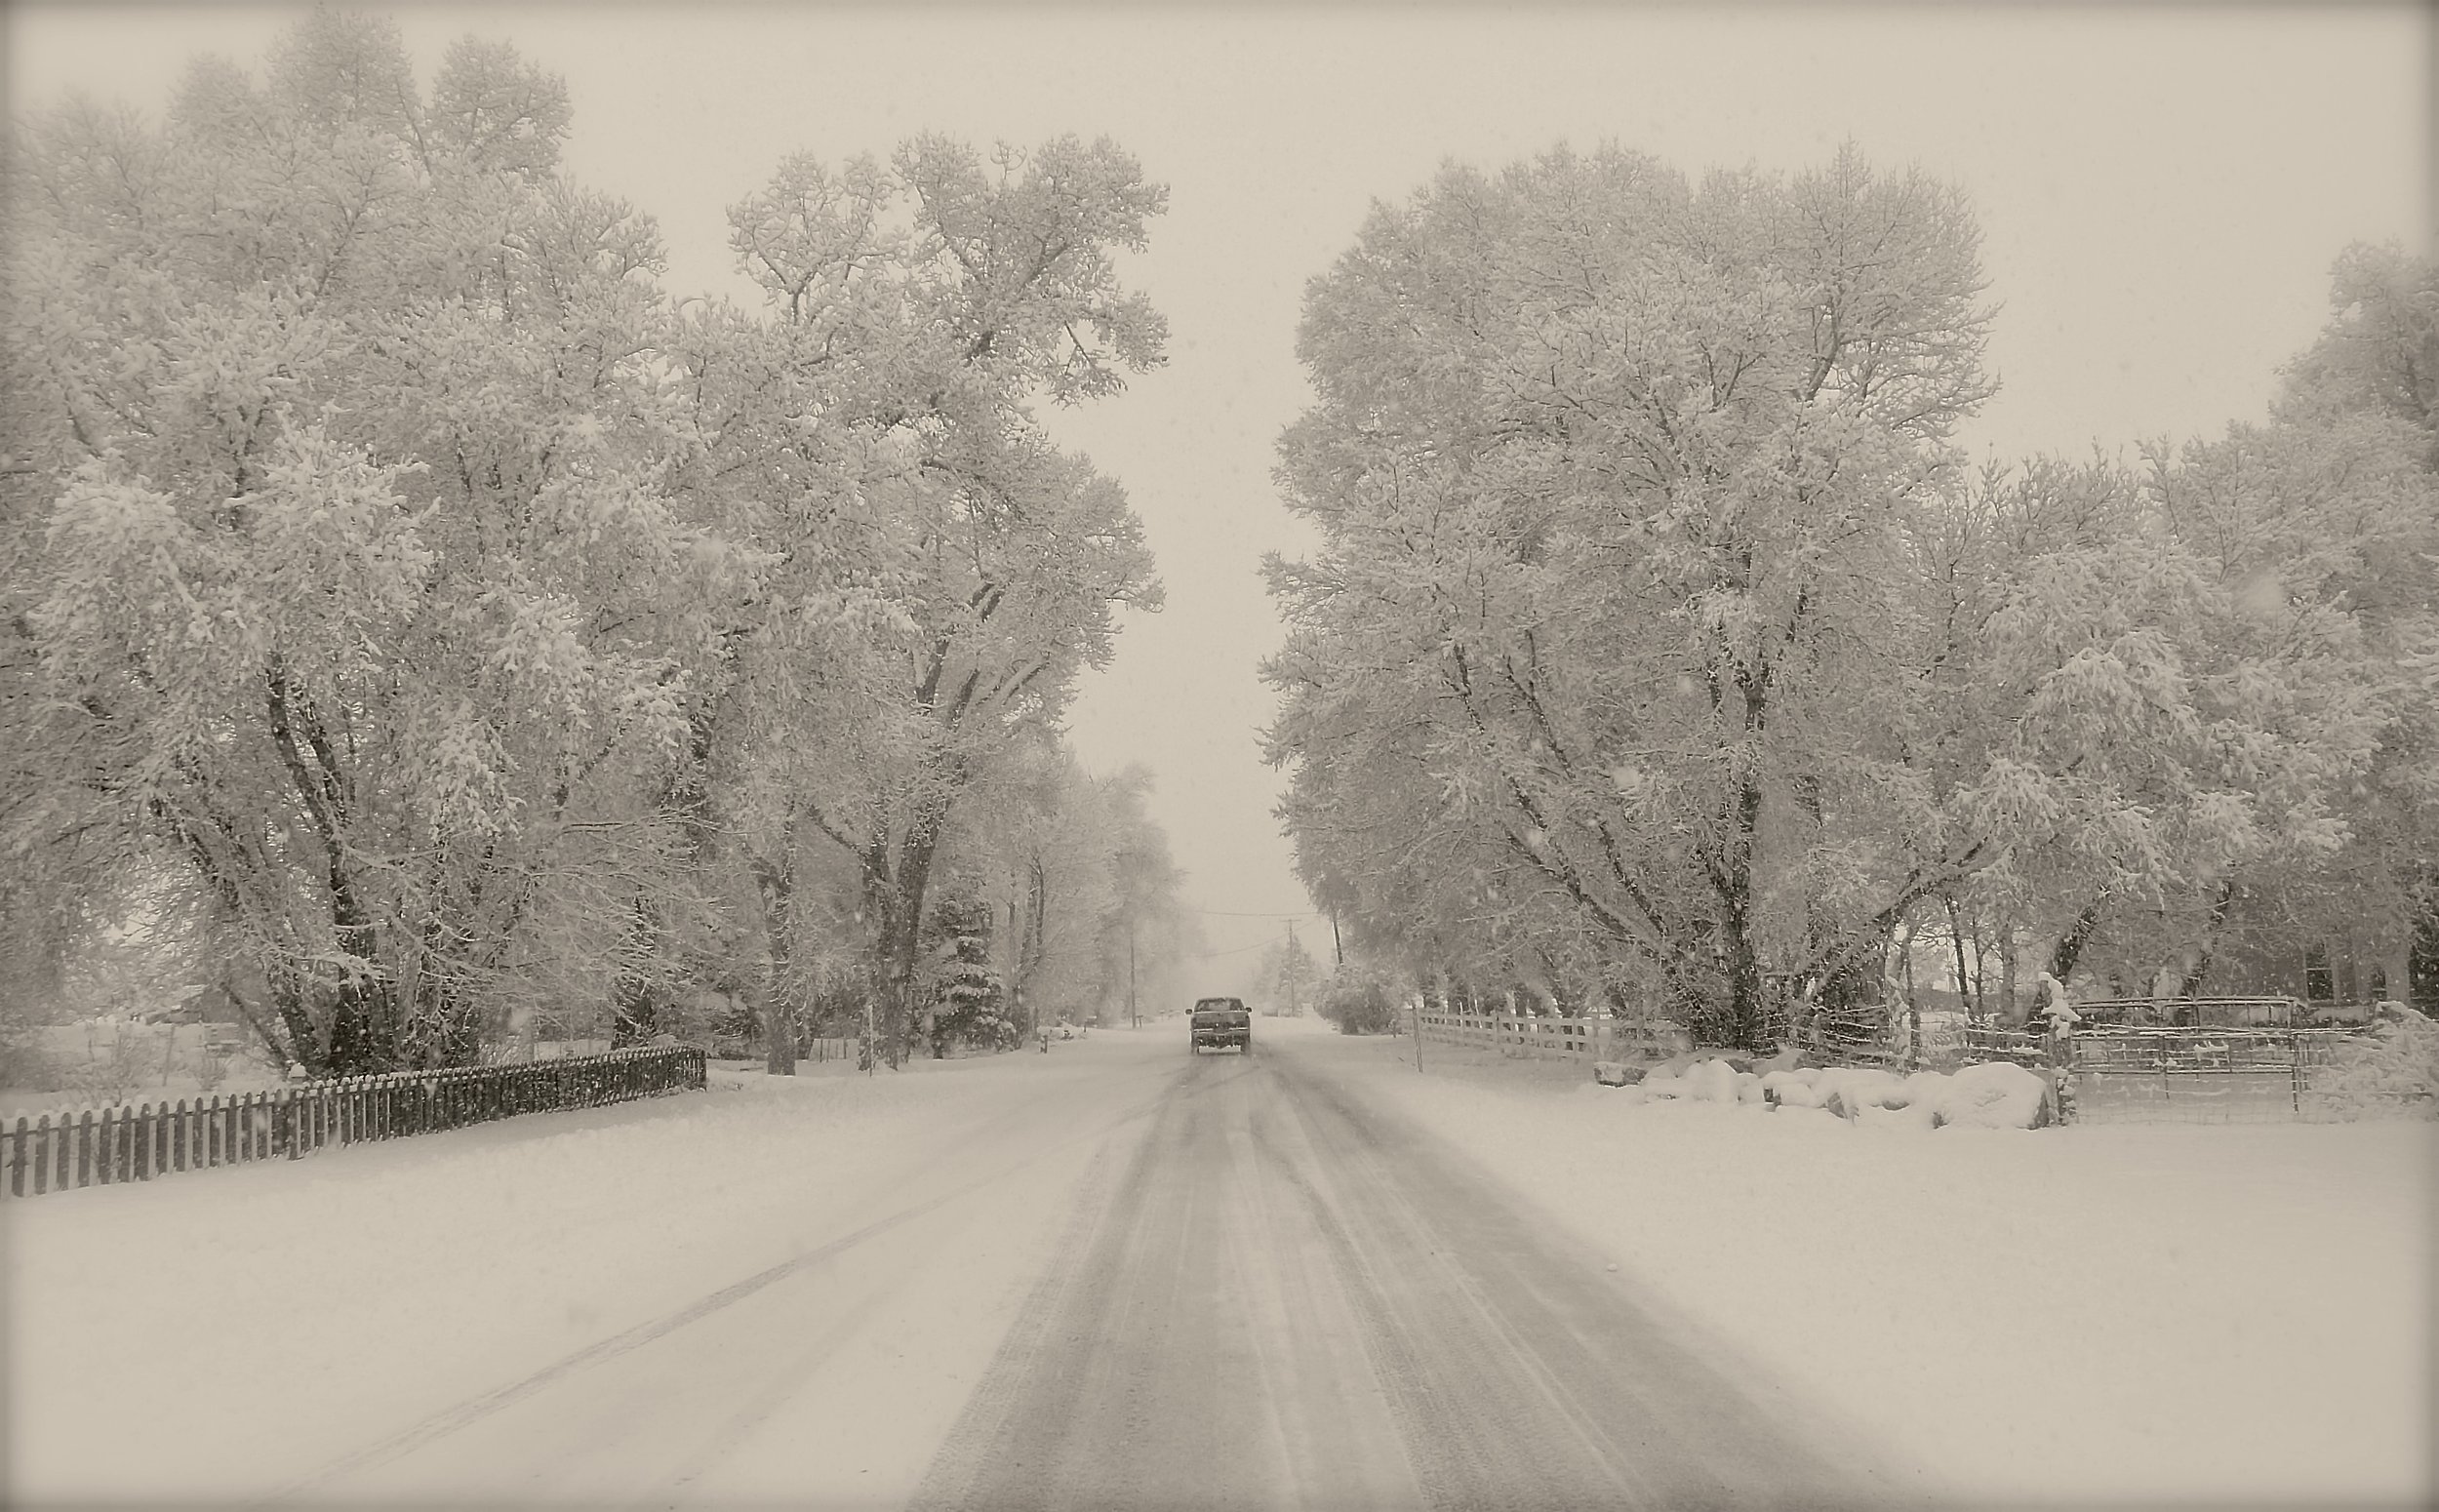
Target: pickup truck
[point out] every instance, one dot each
(1219, 1023)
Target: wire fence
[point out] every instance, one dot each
(2127, 1074)
(2243, 1072)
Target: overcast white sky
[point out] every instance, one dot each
(2161, 188)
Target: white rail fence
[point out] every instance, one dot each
(1532, 1035)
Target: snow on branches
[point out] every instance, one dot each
(1656, 626)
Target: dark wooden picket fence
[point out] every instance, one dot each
(136, 1143)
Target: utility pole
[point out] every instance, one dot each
(1288, 968)
(1134, 1019)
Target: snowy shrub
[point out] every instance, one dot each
(1914, 1116)
(1358, 1005)
(1788, 1058)
(1712, 1081)
(2392, 1070)
(1995, 1095)
(1849, 1089)
(1792, 1089)
(1661, 1085)
(26, 1065)
(210, 1068)
(1748, 1089)
(1925, 1089)
(119, 1058)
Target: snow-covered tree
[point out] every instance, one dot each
(1611, 469)
(1659, 647)
(968, 999)
(1288, 979)
(941, 571)
(1149, 939)
(2194, 691)
(1045, 842)
(359, 588)
(478, 630)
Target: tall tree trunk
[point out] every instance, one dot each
(1036, 945)
(1748, 1016)
(1956, 940)
(2192, 986)
(634, 1005)
(2007, 967)
(2078, 935)
(895, 894)
(777, 884)
(2420, 988)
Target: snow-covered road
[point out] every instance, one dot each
(1123, 1276)
(1291, 1301)
(1174, 1279)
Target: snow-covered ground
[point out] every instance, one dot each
(219, 1336)
(2230, 1315)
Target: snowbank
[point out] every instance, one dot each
(1996, 1096)
(2230, 1315)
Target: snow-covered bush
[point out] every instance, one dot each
(1792, 1089)
(2391, 1070)
(26, 1062)
(119, 1056)
(1712, 1081)
(1912, 1115)
(1359, 1002)
(1996, 1095)
(1847, 1091)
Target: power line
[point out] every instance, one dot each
(1229, 913)
(1241, 949)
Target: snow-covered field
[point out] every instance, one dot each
(2231, 1315)
(216, 1336)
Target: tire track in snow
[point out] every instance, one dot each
(1289, 1301)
